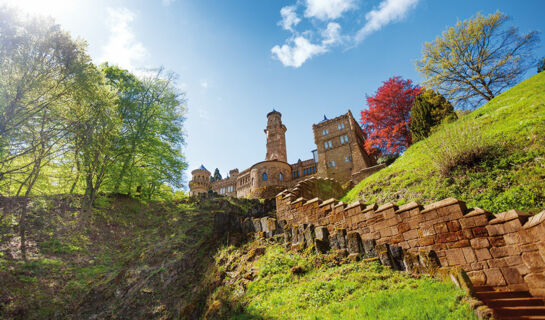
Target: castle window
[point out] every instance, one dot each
(328, 145)
(344, 139)
(331, 164)
(325, 131)
(341, 126)
(264, 177)
(280, 176)
(347, 158)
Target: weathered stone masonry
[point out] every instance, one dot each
(506, 250)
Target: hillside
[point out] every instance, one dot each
(493, 158)
(262, 280)
(132, 259)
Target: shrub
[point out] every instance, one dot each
(457, 145)
(541, 65)
(430, 109)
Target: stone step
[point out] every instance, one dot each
(502, 312)
(523, 318)
(514, 302)
(490, 295)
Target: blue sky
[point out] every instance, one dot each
(238, 59)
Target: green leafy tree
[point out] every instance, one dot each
(541, 65)
(477, 59)
(151, 110)
(216, 176)
(428, 111)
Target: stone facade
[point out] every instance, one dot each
(505, 251)
(200, 182)
(340, 154)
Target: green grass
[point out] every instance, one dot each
(510, 174)
(357, 290)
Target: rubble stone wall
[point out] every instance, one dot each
(506, 250)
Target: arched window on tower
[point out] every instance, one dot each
(280, 176)
(264, 178)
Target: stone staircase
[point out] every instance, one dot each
(511, 305)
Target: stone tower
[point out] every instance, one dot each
(276, 137)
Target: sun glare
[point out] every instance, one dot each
(53, 8)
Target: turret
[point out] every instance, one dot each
(200, 181)
(276, 137)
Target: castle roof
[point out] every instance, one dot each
(273, 111)
(202, 168)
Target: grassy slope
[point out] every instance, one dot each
(511, 176)
(328, 290)
(121, 262)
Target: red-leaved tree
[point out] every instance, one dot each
(386, 122)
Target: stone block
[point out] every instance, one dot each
(453, 226)
(469, 255)
(441, 228)
(410, 235)
(426, 241)
(403, 227)
(257, 225)
(498, 252)
(459, 244)
(511, 275)
(478, 278)
(494, 277)
(479, 232)
(479, 243)
(536, 282)
(369, 248)
(455, 257)
(512, 238)
(337, 241)
(383, 253)
(353, 243)
(533, 260)
(482, 254)
(447, 237)
(309, 235)
(497, 241)
(321, 233)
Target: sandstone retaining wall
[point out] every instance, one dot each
(506, 250)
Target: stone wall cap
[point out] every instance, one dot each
(313, 200)
(386, 206)
(476, 212)
(340, 204)
(328, 201)
(510, 215)
(298, 200)
(535, 220)
(354, 204)
(408, 206)
(440, 204)
(370, 207)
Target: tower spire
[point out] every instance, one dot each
(276, 138)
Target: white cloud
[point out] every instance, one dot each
(332, 34)
(325, 33)
(328, 9)
(167, 2)
(289, 18)
(204, 84)
(387, 12)
(299, 51)
(122, 47)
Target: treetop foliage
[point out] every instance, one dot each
(68, 126)
(386, 121)
(428, 111)
(477, 59)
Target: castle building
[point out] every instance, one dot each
(339, 154)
